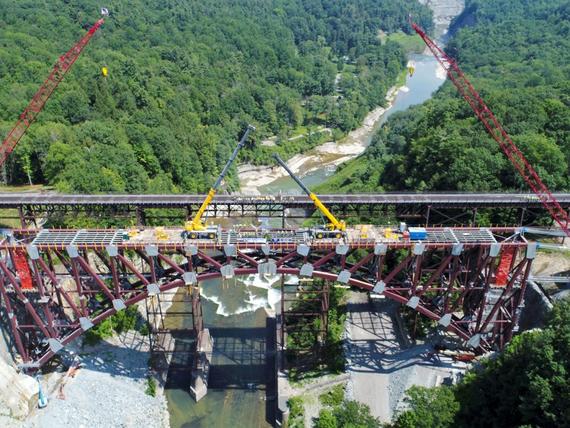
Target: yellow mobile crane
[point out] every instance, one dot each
(195, 228)
(335, 228)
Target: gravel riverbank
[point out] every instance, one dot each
(108, 390)
(329, 154)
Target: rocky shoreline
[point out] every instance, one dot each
(113, 377)
(444, 11)
(108, 389)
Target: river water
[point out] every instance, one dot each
(427, 78)
(236, 310)
(240, 392)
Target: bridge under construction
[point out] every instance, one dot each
(57, 284)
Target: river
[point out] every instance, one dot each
(321, 162)
(236, 310)
(427, 78)
(240, 392)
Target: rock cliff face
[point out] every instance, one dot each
(18, 392)
(443, 13)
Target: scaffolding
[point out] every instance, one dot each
(304, 322)
(175, 323)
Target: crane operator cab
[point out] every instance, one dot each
(195, 228)
(334, 229)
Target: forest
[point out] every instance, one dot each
(184, 79)
(517, 55)
(527, 385)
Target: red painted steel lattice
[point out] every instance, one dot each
(37, 103)
(496, 131)
(23, 269)
(77, 286)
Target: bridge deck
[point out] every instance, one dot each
(360, 236)
(11, 200)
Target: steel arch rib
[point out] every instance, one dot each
(328, 276)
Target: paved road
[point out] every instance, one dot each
(371, 336)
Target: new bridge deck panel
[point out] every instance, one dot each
(172, 237)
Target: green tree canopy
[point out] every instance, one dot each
(517, 55)
(184, 79)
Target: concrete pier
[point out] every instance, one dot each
(201, 369)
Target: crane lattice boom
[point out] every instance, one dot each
(37, 103)
(486, 116)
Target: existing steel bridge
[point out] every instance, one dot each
(419, 208)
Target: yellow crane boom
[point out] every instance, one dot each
(197, 224)
(334, 224)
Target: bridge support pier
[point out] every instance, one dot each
(141, 220)
(521, 219)
(304, 322)
(201, 369)
(170, 341)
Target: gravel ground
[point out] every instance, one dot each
(107, 391)
(381, 368)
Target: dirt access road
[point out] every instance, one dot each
(380, 364)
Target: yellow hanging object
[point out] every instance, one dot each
(104, 71)
(411, 70)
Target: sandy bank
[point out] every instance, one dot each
(330, 154)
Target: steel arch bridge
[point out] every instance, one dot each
(57, 284)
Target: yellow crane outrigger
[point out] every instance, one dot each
(195, 228)
(335, 228)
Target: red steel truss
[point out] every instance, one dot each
(77, 286)
(37, 103)
(494, 128)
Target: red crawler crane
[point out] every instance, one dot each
(486, 116)
(59, 71)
